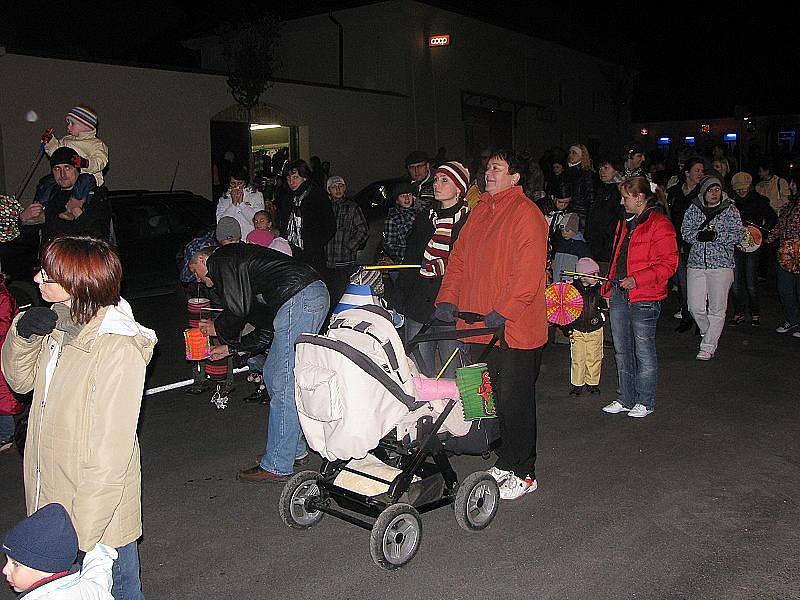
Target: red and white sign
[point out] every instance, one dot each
(439, 40)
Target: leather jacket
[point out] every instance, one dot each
(252, 284)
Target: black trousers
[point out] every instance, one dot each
(514, 373)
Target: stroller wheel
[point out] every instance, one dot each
(396, 536)
(476, 501)
(293, 507)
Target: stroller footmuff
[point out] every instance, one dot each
(383, 450)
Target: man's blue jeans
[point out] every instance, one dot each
(634, 328)
(125, 574)
(7, 427)
(789, 292)
(302, 313)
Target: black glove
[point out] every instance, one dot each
(494, 320)
(446, 312)
(37, 320)
(707, 235)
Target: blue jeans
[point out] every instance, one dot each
(745, 282)
(125, 574)
(431, 356)
(634, 328)
(302, 313)
(7, 427)
(789, 292)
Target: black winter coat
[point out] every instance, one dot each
(252, 283)
(95, 219)
(603, 219)
(319, 223)
(582, 183)
(755, 208)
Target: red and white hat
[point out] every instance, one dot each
(457, 173)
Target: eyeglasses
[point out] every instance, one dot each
(45, 278)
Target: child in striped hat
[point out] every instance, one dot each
(92, 152)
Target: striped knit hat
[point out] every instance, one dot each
(457, 173)
(83, 115)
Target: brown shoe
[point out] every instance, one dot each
(257, 474)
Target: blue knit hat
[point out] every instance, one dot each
(45, 541)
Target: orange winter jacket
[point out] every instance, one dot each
(498, 264)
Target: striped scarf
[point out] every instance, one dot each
(434, 259)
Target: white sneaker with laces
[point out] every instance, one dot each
(514, 487)
(796, 334)
(499, 474)
(639, 411)
(785, 328)
(615, 407)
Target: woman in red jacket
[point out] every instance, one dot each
(645, 256)
(497, 269)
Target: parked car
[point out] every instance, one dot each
(149, 229)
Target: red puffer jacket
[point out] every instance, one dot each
(652, 256)
(9, 405)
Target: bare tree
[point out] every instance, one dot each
(250, 50)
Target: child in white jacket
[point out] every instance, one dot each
(40, 559)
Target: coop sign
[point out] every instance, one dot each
(439, 40)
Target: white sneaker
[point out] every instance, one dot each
(785, 328)
(514, 487)
(639, 411)
(704, 355)
(615, 407)
(796, 334)
(499, 475)
(679, 315)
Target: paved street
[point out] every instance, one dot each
(698, 500)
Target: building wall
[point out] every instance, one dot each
(152, 118)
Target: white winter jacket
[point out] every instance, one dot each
(92, 582)
(242, 212)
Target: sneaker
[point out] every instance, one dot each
(6, 446)
(514, 487)
(796, 334)
(576, 390)
(736, 320)
(755, 321)
(679, 315)
(499, 475)
(615, 407)
(785, 328)
(639, 411)
(704, 355)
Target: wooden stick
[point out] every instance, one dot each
(389, 267)
(447, 364)
(575, 273)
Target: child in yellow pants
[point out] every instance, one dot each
(586, 332)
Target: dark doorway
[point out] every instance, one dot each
(485, 128)
(230, 143)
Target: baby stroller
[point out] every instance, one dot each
(384, 450)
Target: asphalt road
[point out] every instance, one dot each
(698, 500)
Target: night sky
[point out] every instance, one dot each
(694, 60)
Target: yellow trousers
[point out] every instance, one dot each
(586, 353)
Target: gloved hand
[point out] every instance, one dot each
(79, 162)
(446, 312)
(493, 320)
(707, 235)
(47, 136)
(37, 320)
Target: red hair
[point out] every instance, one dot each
(88, 269)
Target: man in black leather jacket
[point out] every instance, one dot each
(269, 290)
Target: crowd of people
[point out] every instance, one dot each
(487, 239)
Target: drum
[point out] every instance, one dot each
(475, 389)
(198, 346)
(752, 239)
(195, 307)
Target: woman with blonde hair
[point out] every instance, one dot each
(580, 176)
